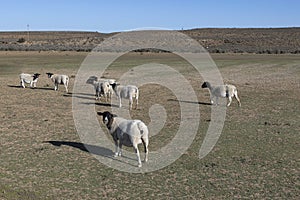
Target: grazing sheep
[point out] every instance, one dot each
(29, 79)
(102, 87)
(128, 133)
(106, 90)
(59, 79)
(126, 92)
(224, 91)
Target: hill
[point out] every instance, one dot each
(215, 40)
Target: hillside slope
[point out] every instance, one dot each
(215, 40)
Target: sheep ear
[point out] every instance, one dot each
(100, 113)
(114, 115)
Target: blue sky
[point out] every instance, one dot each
(118, 15)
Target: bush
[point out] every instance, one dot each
(21, 40)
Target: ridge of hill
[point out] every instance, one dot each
(215, 40)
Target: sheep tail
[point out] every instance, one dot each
(137, 93)
(142, 128)
(227, 91)
(67, 80)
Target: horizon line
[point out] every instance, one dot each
(145, 28)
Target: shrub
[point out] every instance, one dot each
(21, 40)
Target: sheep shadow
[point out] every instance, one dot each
(14, 86)
(86, 94)
(90, 97)
(34, 88)
(93, 149)
(192, 102)
(78, 96)
(43, 88)
(19, 86)
(100, 151)
(101, 104)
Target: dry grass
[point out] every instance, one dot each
(257, 156)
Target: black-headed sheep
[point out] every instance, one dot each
(130, 92)
(128, 133)
(102, 87)
(29, 79)
(59, 79)
(225, 91)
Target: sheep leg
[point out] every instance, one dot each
(145, 143)
(120, 149)
(109, 96)
(211, 100)
(66, 86)
(120, 102)
(137, 155)
(230, 99)
(117, 149)
(22, 83)
(217, 98)
(237, 98)
(55, 87)
(130, 103)
(97, 95)
(137, 103)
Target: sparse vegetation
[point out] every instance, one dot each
(256, 157)
(215, 40)
(21, 40)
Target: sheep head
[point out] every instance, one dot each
(205, 85)
(108, 118)
(92, 80)
(36, 75)
(49, 74)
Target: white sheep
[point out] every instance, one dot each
(130, 92)
(102, 87)
(59, 79)
(224, 91)
(106, 90)
(29, 79)
(128, 133)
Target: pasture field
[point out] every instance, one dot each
(256, 157)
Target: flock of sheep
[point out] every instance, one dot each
(125, 132)
(57, 79)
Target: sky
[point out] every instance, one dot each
(117, 15)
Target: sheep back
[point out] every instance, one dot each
(129, 130)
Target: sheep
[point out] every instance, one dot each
(224, 91)
(106, 90)
(59, 79)
(128, 133)
(29, 79)
(126, 92)
(102, 87)
(93, 80)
